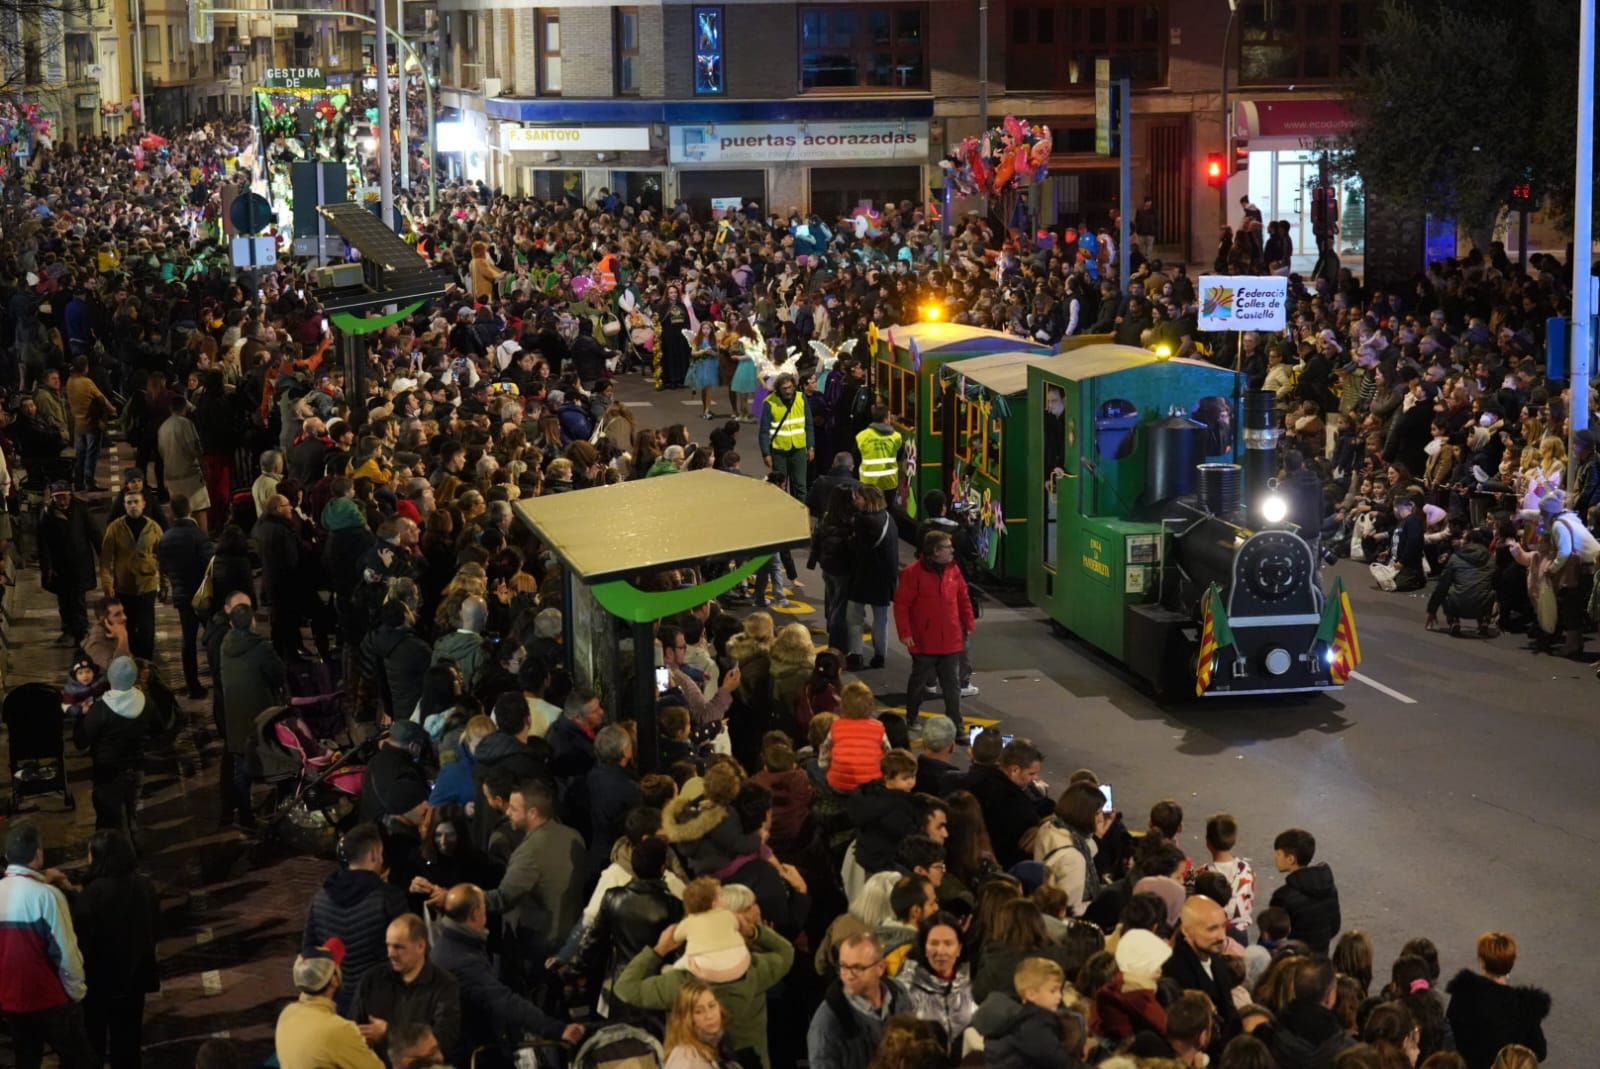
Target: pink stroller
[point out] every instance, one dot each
(311, 775)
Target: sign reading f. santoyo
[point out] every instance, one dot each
(1243, 302)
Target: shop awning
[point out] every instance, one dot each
(617, 532)
(1291, 123)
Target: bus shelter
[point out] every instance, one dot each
(614, 541)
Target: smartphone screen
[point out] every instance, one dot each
(1105, 789)
(661, 680)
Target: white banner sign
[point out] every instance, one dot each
(874, 139)
(1243, 302)
(575, 138)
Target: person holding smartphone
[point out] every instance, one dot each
(1065, 842)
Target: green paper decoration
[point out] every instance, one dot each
(622, 599)
(371, 324)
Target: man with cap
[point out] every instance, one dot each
(310, 1035)
(356, 904)
(114, 733)
(395, 777)
(68, 548)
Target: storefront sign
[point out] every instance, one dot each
(1243, 302)
(575, 138)
(875, 139)
(296, 78)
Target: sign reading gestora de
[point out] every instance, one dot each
(1243, 302)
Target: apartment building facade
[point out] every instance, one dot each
(820, 105)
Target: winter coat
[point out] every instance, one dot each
(947, 1003)
(118, 920)
(128, 565)
(397, 658)
(433, 999)
(229, 573)
(645, 984)
(179, 445)
(1121, 1012)
(348, 542)
(1312, 902)
(1008, 811)
(1306, 1035)
(382, 785)
(631, 918)
(706, 835)
(842, 1036)
(40, 965)
(1466, 584)
(356, 905)
(874, 559)
(279, 546)
(932, 609)
(572, 749)
(882, 818)
(184, 552)
(997, 962)
(611, 791)
(542, 890)
(1485, 1016)
(68, 548)
(935, 776)
(115, 732)
(781, 905)
(492, 1014)
(792, 795)
(252, 681)
(1184, 967)
(1020, 1035)
(468, 650)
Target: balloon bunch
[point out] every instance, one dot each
(868, 222)
(1012, 155)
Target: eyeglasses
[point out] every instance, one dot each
(856, 970)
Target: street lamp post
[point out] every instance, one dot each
(1583, 230)
(385, 127)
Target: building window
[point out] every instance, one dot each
(1285, 41)
(447, 59)
(152, 43)
(1048, 42)
(710, 73)
(879, 46)
(548, 24)
(626, 36)
(471, 51)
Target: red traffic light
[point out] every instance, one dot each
(1216, 169)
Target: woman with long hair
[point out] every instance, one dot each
(874, 573)
(1393, 1033)
(645, 453)
(704, 371)
(697, 1030)
(118, 919)
(968, 855)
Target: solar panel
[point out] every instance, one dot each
(376, 242)
(393, 271)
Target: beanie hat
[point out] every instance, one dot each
(407, 733)
(314, 971)
(1142, 953)
(1170, 892)
(122, 674)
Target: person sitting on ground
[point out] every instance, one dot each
(1487, 1012)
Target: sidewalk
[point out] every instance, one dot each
(232, 910)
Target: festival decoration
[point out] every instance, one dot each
(1001, 162)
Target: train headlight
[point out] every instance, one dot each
(1274, 508)
(1278, 661)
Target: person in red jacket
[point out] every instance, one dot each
(933, 614)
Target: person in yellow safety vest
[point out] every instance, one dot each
(786, 434)
(880, 446)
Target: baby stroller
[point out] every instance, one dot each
(617, 1046)
(317, 693)
(314, 781)
(32, 715)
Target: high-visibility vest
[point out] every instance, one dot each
(879, 457)
(788, 431)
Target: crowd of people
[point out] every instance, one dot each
(802, 877)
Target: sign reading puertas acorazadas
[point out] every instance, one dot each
(1243, 302)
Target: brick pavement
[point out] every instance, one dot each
(232, 909)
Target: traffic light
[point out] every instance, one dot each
(1522, 196)
(1241, 157)
(1216, 170)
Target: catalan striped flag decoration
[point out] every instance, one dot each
(1338, 630)
(1215, 635)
